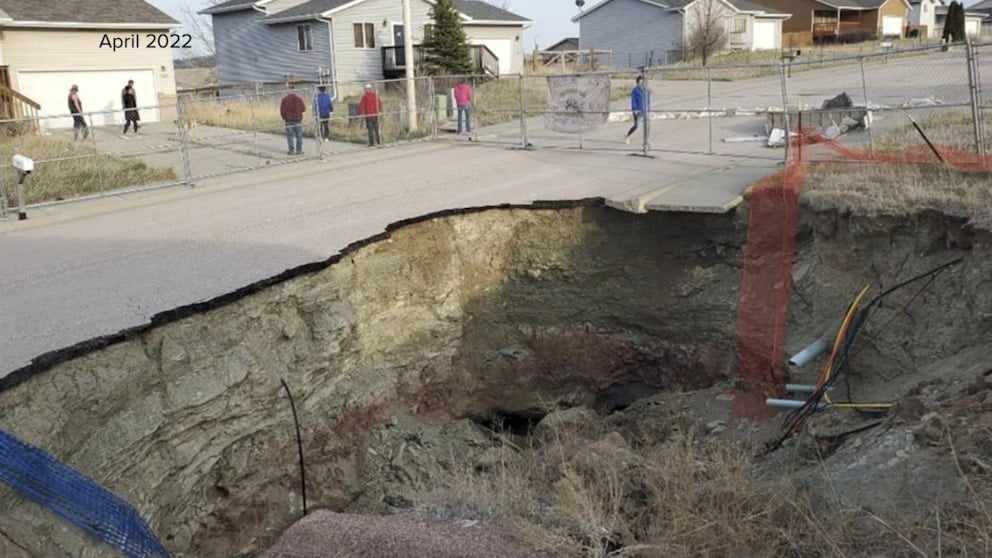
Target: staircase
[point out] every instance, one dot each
(18, 114)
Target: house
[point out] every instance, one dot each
(46, 47)
(271, 41)
(924, 13)
(830, 19)
(566, 44)
(985, 8)
(650, 32)
(972, 20)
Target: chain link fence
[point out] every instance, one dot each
(872, 100)
(983, 80)
(87, 155)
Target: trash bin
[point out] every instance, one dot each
(442, 106)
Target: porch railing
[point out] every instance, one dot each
(23, 111)
(484, 62)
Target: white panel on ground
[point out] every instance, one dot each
(98, 90)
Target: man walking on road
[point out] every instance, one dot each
(323, 106)
(638, 102)
(76, 109)
(463, 100)
(370, 107)
(291, 110)
(130, 103)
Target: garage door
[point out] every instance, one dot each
(98, 90)
(892, 26)
(767, 35)
(503, 49)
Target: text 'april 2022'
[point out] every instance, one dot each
(146, 40)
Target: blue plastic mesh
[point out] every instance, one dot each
(50, 483)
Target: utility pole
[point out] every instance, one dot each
(411, 92)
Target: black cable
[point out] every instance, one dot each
(798, 416)
(299, 446)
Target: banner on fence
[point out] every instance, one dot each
(578, 103)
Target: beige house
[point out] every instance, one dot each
(48, 46)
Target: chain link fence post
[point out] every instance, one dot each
(646, 112)
(864, 91)
(785, 111)
(96, 154)
(976, 97)
(184, 141)
(432, 91)
(253, 100)
(709, 106)
(524, 144)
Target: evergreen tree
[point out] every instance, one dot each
(446, 49)
(954, 28)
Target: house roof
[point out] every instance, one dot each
(739, 5)
(856, 4)
(982, 6)
(85, 13)
(563, 41)
(484, 11)
(472, 10)
(228, 6)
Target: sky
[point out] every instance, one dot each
(550, 17)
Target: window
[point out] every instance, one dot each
(925, 7)
(303, 38)
(364, 35)
(740, 25)
(428, 30)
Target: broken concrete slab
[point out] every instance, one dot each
(840, 101)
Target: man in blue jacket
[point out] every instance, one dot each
(639, 101)
(323, 107)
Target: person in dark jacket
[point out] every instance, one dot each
(76, 109)
(323, 106)
(291, 109)
(639, 101)
(130, 103)
(369, 107)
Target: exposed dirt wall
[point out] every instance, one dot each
(453, 315)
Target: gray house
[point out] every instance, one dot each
(348, 40)
(653, 32)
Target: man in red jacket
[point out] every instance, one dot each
(370, 107)
(291, 109)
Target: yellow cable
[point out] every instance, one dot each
(828, 369)
(841, 332)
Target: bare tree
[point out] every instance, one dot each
(706, 25)
(199, 26)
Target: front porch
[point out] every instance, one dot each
(829, 25)
(484, 62)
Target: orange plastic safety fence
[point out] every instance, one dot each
(766, 286)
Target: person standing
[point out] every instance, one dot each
(130, 103)
(76, 109)
(291, 110)
(370, 107)
(463, 100)
(323, 106)
(638, 102)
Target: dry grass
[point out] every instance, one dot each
(581, 493)
(876, 189)
(65, 169)
(907, 189)
(496, 102)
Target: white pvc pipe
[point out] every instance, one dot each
(813, 350)
(802, 388)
